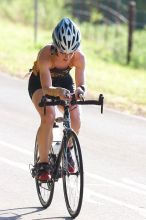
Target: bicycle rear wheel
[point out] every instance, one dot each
(45, 190)
(73, 183)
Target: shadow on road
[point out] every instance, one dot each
(10, 214)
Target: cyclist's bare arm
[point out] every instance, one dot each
(45, 76)
(79, 63)
(79, 69)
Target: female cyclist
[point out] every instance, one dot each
(51, 75)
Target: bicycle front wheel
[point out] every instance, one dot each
(45, 190)
(73, 182)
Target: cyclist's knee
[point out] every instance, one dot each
(48, 118)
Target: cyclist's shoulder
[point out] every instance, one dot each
(47, 54)
(79, 53)
(79, 57)
(45, 51)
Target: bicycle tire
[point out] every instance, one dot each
(45, 190)
(71, 180)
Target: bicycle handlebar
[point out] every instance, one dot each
(52, 101)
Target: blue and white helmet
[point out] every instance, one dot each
(66, 36)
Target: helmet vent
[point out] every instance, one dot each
(56, 43)
(68, 44)
(75, 47)
(73, 40)
(62, 47)
(59, 36)
(74, 30)
(62, 30)
(64, 40)
(65, 25)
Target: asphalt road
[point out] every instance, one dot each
(114, 154)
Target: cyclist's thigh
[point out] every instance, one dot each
(36, 98)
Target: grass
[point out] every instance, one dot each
(123, 87)
(16, 48)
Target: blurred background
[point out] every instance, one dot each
(113, 40)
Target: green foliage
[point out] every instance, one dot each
(123, 87)
(139, 50)
(96, 16)
(16, 10)
(105, 47)
(111, 43)
(49, 11)
(140, 4)
(110, 40)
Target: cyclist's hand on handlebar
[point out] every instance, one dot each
(79, 93)
(64, 94)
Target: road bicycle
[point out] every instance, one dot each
(73, 182)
